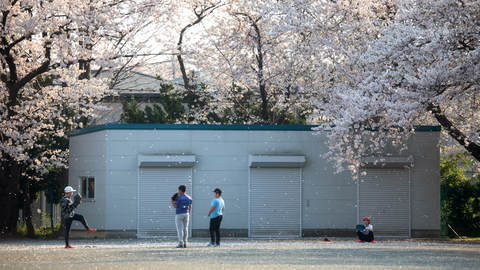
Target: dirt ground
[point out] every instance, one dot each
(235, 253)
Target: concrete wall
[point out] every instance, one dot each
(328, 200)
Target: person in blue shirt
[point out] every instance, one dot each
(216, 216)
(183, 208)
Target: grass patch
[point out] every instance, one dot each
(40, 233)
(466, 239)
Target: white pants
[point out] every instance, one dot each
(181, 221)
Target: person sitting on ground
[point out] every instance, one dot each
(366, 235)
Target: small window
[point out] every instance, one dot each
(87, 187)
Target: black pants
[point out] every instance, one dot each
(365, 237)
(215, 228)
(68, 224)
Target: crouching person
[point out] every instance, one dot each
(366, 235)
(69, 216)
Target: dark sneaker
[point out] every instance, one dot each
(217, 244)
(184, 245)
(68, 246)
(90, 230)
(212, 244)
(180, 246)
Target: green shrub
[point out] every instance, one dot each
(40, 232)
(460, 198)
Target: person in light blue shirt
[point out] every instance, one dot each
(216, 216)
(183, 208)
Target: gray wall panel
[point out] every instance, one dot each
(146, 147)
(274, 148)
(123, 177)
(232, 192)
(123, 207)
(88, 148)
(330, 221)
(219, 148)
(123, 135)
(121, 163)
(330, 192)
(165, 135)
(426, 164)
(226, 162)
(123, 148)
(88, 155)
(122, 193)
(122, 222)
(426, 137)
(329, 207)
(425, 214)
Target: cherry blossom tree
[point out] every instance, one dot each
(417, 63)
(240, 50)
(257, 47)
(200, 10)
(49, 40)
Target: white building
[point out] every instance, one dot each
(275, 182)
(144, 87)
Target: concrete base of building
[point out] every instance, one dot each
(223, 233)
(328, 233)
(351, 233)
(426, 234)
(205, 233)
(104, 234)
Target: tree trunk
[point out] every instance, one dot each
(63, 181)
(27, 209)
(191, 88)
(259, 69)
(201, 14)
(10, 195)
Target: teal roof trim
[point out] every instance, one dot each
(188, 127)
(209, 127)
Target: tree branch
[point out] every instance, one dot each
(201, 14)
(453, 131)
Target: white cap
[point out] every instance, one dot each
(69, 189)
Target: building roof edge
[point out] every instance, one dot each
(211, 127)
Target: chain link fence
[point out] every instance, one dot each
(44, 214)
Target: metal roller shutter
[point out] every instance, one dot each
(275, 202)
(156, 216)
(384, 196)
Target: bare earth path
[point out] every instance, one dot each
(304, 253)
